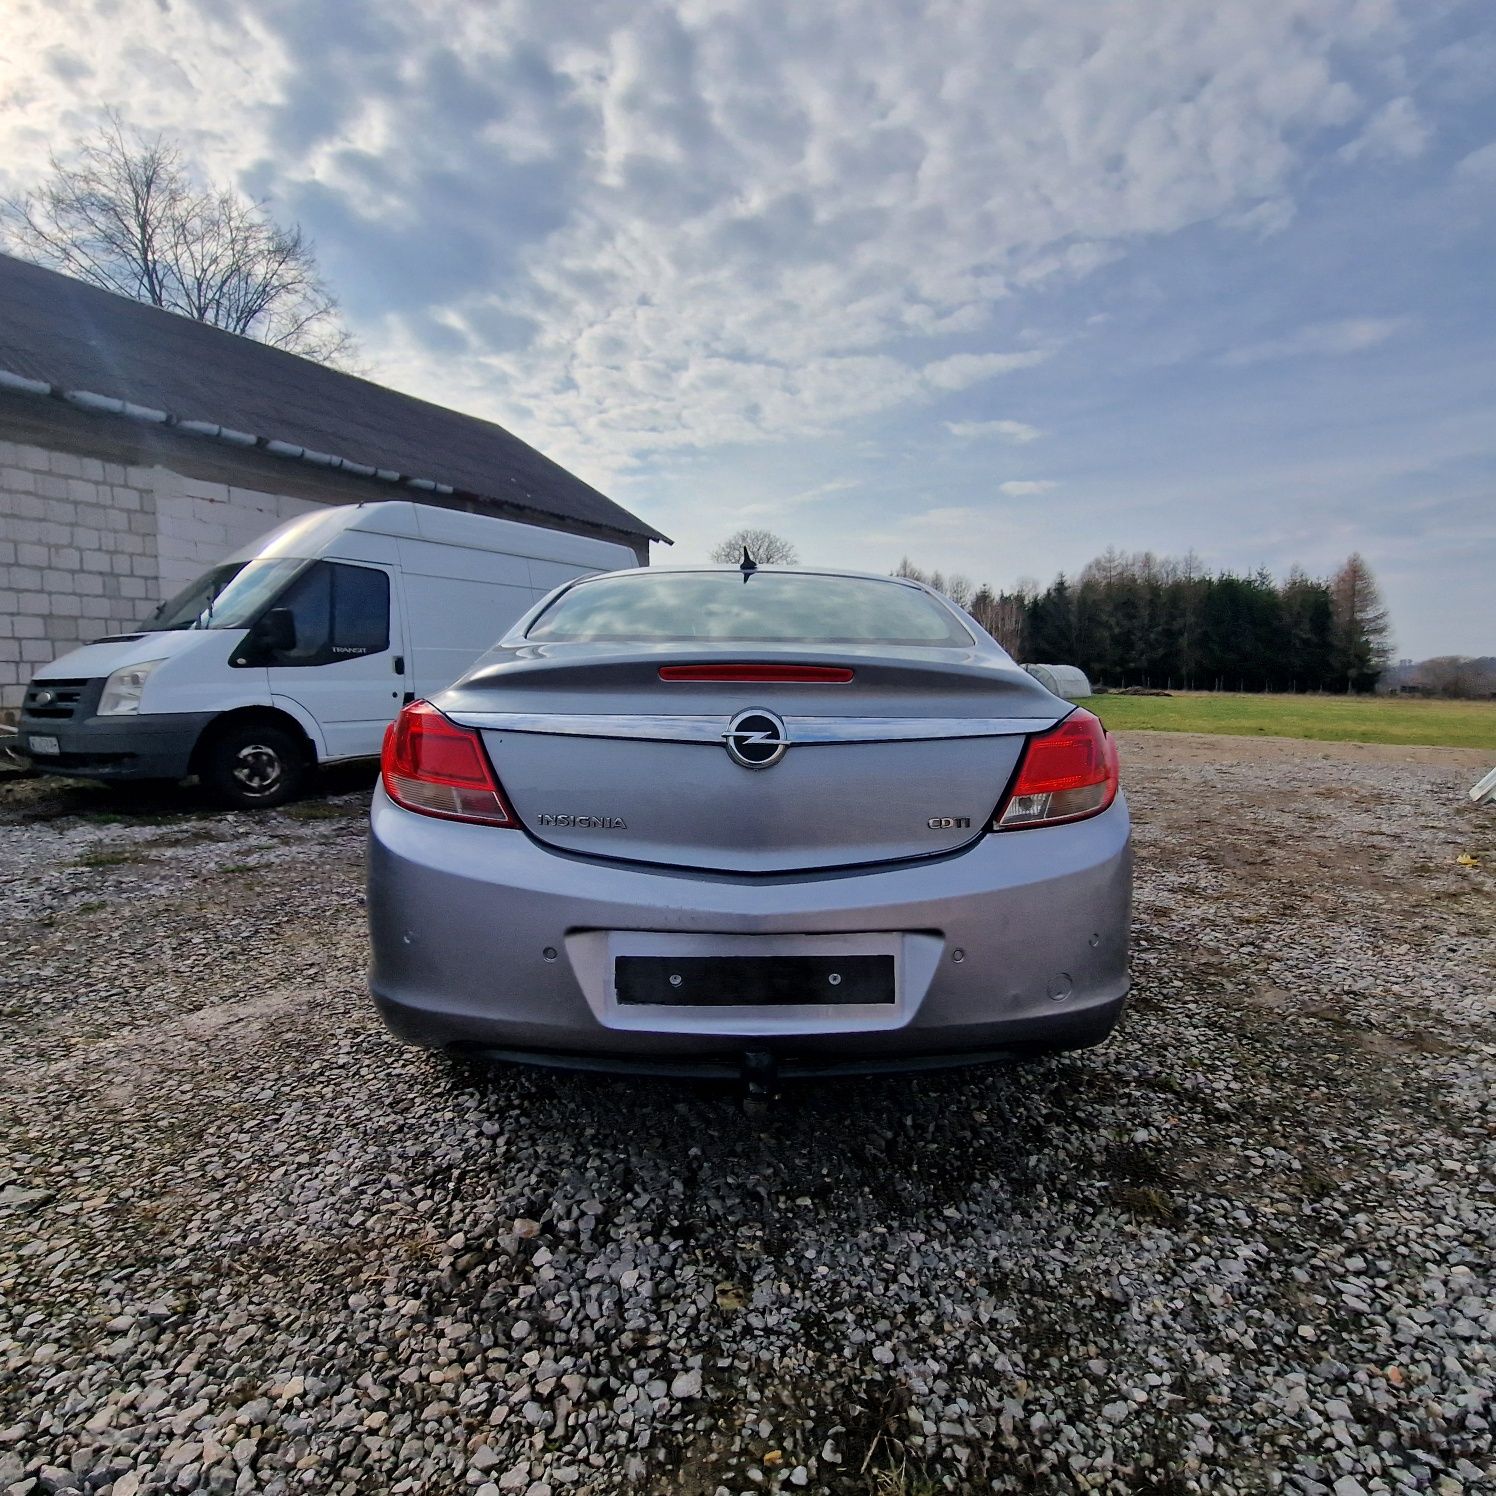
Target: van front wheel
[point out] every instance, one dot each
(254, 766)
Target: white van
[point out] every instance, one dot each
(299, 649)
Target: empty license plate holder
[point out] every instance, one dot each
(701, 981)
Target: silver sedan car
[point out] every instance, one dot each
(748, 821)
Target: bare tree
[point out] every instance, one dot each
(1361, 625)
(1003, 615)
(959, 589)
(124, 214)
(766, 548)
(1456, 676)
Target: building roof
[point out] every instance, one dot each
(60, 332)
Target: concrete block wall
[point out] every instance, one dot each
(77, 555)
(88, 547)
(198, 523)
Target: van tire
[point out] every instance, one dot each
(254, 765)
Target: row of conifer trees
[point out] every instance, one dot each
(1145, 620)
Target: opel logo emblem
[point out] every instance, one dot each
(756, 739)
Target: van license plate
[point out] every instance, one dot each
(43, 745)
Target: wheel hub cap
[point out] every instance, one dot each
(257, 767)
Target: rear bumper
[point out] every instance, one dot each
(1022, 943)
(154, 746)
(752, 1061)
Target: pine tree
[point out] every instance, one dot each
(1308, 632)
(1051, 625)
(1361, 643)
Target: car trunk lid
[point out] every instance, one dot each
(600, 756)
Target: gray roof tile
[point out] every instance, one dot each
(77, 337)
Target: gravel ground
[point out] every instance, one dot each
(250, 1244)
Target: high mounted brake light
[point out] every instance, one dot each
(433, 766)
(1065, 774)
(761, 675)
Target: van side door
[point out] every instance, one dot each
(460, 603)
(346, 665)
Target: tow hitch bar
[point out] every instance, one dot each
(761, 1081)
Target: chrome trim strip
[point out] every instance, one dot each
(801, 731)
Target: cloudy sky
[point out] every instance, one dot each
(992, 284)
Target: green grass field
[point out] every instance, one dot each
(1334, 719)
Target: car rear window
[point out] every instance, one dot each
(766, 607)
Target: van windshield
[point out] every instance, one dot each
(230, 596)
(181, 611)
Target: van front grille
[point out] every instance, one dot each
(56, 700)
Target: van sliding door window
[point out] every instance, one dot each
(341, 613)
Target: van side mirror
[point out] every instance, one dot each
(276, 631)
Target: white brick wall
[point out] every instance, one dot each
(77, 555)
(199, 523)
(89, 547)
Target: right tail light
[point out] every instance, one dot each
(436, 768)
(1065, 774)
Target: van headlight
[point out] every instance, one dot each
(122, 690)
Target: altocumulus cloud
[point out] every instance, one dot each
(962, 369)
(643, 230)
(1321, 339)
(1008, 431)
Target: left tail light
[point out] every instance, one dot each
(1065, 774)
(431, 765)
